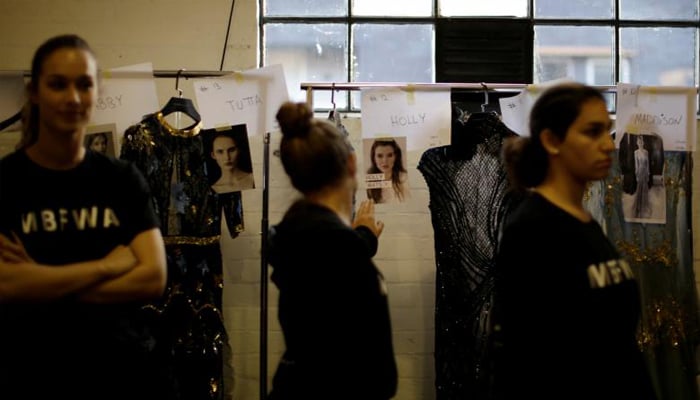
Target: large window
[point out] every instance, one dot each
(599, 42)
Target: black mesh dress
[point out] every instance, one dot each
(468, 203)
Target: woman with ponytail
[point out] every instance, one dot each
(80, 249)
(567, 305)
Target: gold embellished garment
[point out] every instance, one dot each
(188, 322)
(661, 257)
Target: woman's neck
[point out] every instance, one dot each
(338, 199)
(54, 152)
(567, 195)
(234, 174)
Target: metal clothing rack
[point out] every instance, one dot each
(437, 86)
(162, 73)
(406, 85)
(309, 87)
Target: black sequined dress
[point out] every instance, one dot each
(468, 203)
(188, 322)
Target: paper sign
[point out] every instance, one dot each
(664, 111)
(126, 94)
(515, 112)
(251, 97)
(423, 117)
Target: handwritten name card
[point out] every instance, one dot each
(423, 117)
(126, 94)
(251, 97)
(666, 111)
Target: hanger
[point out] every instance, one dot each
(181, 104)
(485, 104)
(487, 112)
(470, 129)
(463, 139)
(332, 114)
(333, 95)
(8, 122)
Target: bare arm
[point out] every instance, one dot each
(364, 216)
(144, 282)
(22, 279)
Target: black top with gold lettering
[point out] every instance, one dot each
(567, 310)
(65, 217)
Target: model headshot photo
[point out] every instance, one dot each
(100, 139)
(386, 175)
(229, 165)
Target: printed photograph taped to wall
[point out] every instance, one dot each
(101, 139)
(386, 177)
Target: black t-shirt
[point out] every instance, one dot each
(65, 217)
(77, 214)
(568, 308)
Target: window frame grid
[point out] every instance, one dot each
(349, 20)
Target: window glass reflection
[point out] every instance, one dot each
(309, 53)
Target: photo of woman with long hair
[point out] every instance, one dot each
(387, 178)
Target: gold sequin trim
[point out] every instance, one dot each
(662, 254)
(665, 322)
(202, 241)
(190, 132)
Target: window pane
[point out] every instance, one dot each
(392, 53)
(493, 8)
(393, 8)
(309, 53)
(582, 53)
(656, 10)
(579, 9)
(306, 8)
(660, 56)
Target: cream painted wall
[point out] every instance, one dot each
(174, 34)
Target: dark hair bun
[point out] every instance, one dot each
(294, 119)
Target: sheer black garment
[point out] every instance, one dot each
(468, 203)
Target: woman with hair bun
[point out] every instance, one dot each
(333, 305)
(567, 305)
